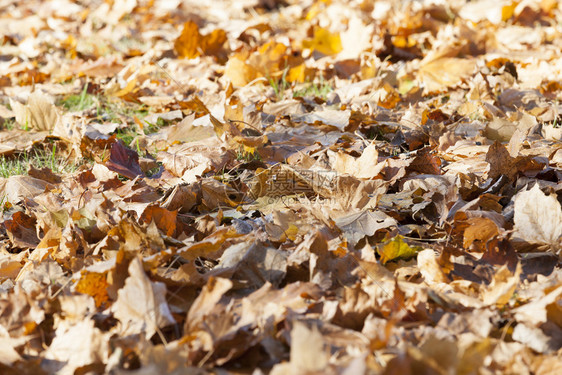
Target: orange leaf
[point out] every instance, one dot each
(187, 44)
(165, 220)
(94, 284)
(191, 44)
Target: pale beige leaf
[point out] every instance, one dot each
(365, 166)
(337, 118)
(535, 312)
(39, 113)
(141, 304)
(538, 217)
(78, 345)
(18, 188)
(429, 268)
(444, 73)
(502, 287)
(364, 223)
(307, 349)
(533, 337)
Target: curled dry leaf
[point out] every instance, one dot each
(39, 113)
(538, 217)
(364, 223)
(141, 305)
(76, 346)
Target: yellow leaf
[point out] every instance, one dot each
(268, 61)
(127, 89)
(239, 73)
(296, 74)
(212, 43)
(324, 41)
(443, 73)
(292, 232)
(396, 248)
(191, 44)
(508, 10)
(403, 41)
(313, 11)
(210, 244)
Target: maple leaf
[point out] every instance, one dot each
(191, 44)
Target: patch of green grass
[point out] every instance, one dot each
(110, 110)
(153, 128)
(37, 158)
(317, 89)
(106, 108)
(8, 124)
(75, 103)
(281, 85)
(117, 110)
(12, 167)
(126, 135)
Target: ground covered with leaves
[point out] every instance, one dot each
(284, 187)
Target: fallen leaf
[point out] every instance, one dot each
(39, 113)
(191, 43)
(364, 223)
(396, 248)
(78, 345)
(447, 72)
(141, 305)
(124, 161)
(502, 287)
(538, 217)
(324, 41)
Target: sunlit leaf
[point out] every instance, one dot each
(94, 284)
(396, 248)
(191, 44)
(324, 41)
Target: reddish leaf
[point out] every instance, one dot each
(124, 161)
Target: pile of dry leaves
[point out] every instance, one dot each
(282, 186)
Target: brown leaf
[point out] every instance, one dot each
(479, 231)
(21, 230)
(124, 161)
(164, 219)
(45, 174)
(501, 162)
(425, 163)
